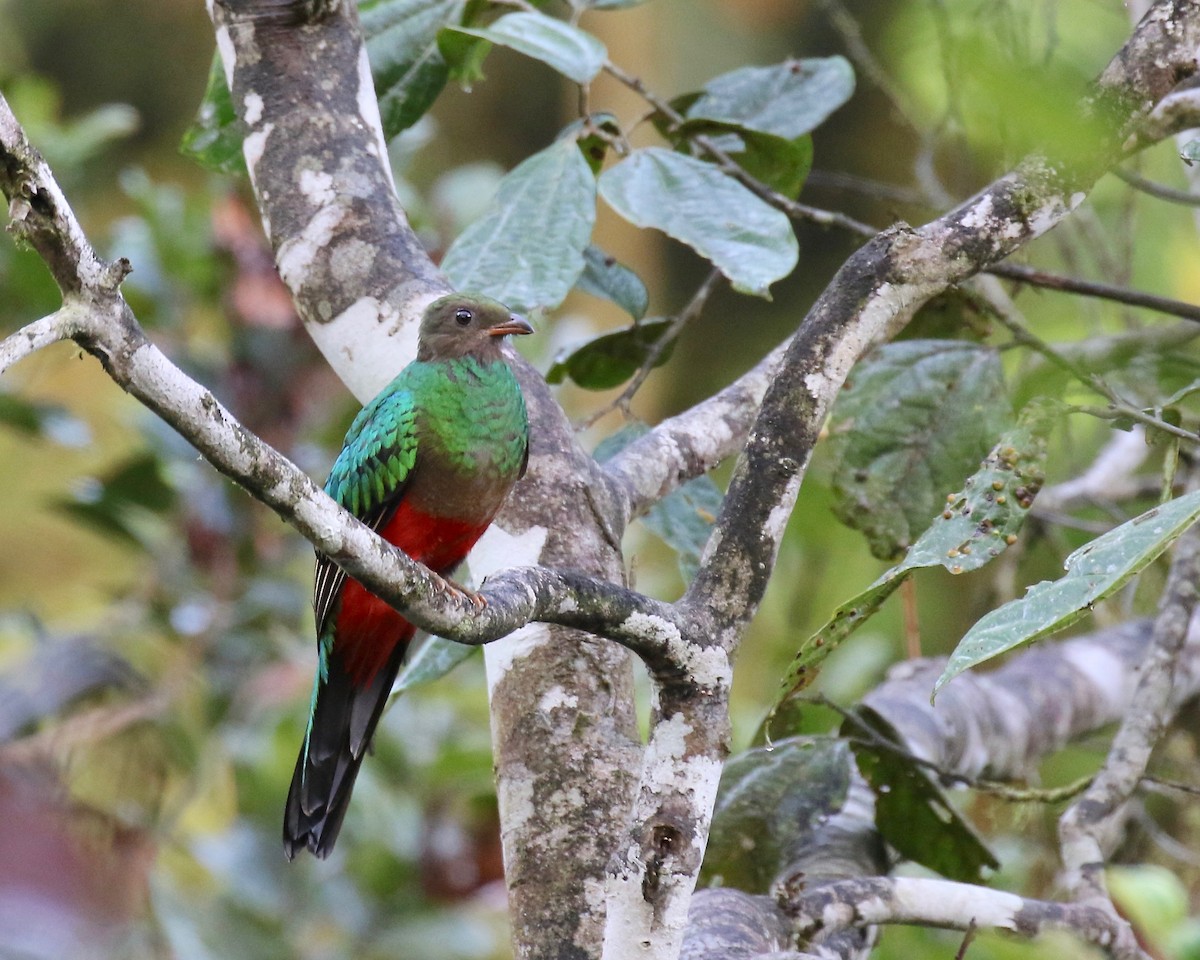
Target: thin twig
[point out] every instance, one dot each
(966, 940)
(33, 336)
(1118, 411)
(1161, 191)
(682, 319)
(793, 208)
(1093, 288)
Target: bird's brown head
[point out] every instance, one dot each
(461, 325)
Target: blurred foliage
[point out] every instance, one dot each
(155, 649)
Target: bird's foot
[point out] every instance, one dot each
(452, 589)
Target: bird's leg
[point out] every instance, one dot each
(451, 589)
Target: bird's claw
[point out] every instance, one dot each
(477, 600)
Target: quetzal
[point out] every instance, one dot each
(426, 464)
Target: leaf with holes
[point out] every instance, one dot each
(975, 526)
(914, 418)
(1094, 571)
(911, 811)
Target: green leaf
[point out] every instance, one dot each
(911, 811)
(783, 165)
(214, 139)
(604, 277)
(406, 63)
(684, 519)
(611, 359)
(769, 801)
(1190, 152)
(914, 418)
(1094, 572)
(112, 503)
(594, 134)
(787, 100)
(749, 241)
(976, 525)
(574, 53)
(527, 249)
(49, 421)
(435, 658)
(464, 54)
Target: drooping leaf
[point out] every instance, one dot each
(1094, 571)
(574, 53)
(46, 420)
(435, 658)
(976, 525)
(911, 811)
(769, 800)
(214, 139)
(749, 241)
(603, 276)
(786, 100)
(914, 418)
(611, 359)
(408, 68)
(527, 249)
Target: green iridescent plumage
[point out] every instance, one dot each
(426, 464)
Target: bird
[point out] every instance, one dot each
(426, 464)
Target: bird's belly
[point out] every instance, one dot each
(368, 629)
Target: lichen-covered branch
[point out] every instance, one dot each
(999, 725)
(563, 724)
(880, 287)
(828, 909)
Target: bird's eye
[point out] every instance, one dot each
(462, 317)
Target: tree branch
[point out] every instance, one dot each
(830, 908)
(880, 287)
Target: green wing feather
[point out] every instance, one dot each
(369, 476)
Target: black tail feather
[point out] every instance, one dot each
(343, 723)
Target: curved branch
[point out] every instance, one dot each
(883, 284)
